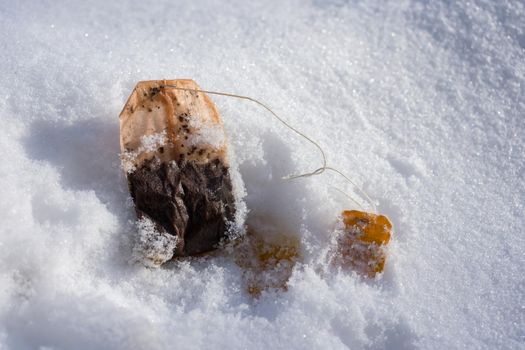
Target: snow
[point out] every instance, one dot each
(421, 103)
(148, 143)
(152, 248)
(205, 135)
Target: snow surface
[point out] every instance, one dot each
(422, 103)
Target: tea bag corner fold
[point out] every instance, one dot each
(174, 153)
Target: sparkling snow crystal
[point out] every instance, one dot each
(152, 247)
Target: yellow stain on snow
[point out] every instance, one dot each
(267, 260)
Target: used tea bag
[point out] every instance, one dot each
(174, 152)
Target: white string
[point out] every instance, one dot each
(367, 197)
(348, 196)
(290, 177)
(316, 172)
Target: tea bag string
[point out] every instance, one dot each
(315, 172)
(318, 171)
